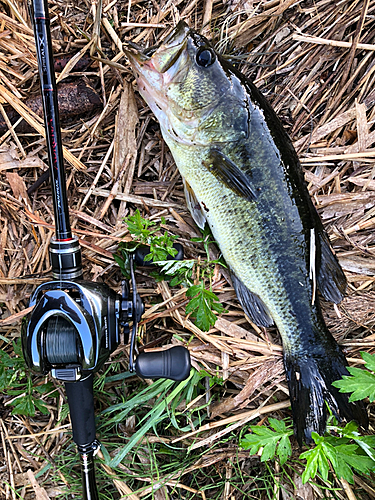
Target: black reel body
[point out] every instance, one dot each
(72, 329)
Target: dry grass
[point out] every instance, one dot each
(315, 61)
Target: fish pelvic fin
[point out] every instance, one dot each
(310, 386)
(331, 277)
(193, 205)
(251, 303)
(224, 169)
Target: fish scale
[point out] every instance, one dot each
(243, 177)
(261, 277)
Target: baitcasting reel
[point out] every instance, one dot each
(75, 326)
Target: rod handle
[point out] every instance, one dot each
(173, 364)
(81, 405)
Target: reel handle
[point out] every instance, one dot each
(143, 250)
(174, 364)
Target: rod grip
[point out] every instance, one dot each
(81, 405)
(173, 364)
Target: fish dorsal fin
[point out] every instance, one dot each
(224, 169)
(193, 205)
(251, 303)
(331, 278)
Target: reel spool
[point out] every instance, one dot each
(61, 342)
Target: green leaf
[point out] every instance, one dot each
(194, 290)
(41, 406)
(24, 406)
(44, 388)
(316, 459)
(343, 456)
(369, 360)
(155, 415)
(201, 306)
(5, 376)
(216, 306)
(311, 468)
(205, 317)
(274, 442)
(138, 226)
(350, 431)
(64, 412)
(367, 444)
(361, 383)
(348, 458)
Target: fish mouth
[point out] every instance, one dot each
(160, 57)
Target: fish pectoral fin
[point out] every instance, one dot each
(251, 303)
(193, 205)
(331, 278)
(224, 169)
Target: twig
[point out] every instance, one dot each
(333, 43)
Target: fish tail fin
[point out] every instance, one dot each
(310, 380)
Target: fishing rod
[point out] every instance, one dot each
(75, 324)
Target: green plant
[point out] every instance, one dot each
(12, 368)
(213, 379)
(161, 245)
(361, 382)
(274, 442)
(203, 302)
(164, 397)
(339, 451)
(16, 381)
(342, 448)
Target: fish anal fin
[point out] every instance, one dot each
(310, 381)
(330, 276)
(251, 303)
(193, 205)
(224, 169)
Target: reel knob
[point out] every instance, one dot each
(143, 250)
(173, 363)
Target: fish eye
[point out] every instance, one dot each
(205, 57)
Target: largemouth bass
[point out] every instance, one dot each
(242, 176)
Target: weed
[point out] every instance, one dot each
(160, 245)
(342, 448)
(203, 302)
(201, 306)
(164, 397)
(15, 380)
(361, 382)
(268, 439)
(338, 451)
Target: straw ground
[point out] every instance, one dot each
(315, 61)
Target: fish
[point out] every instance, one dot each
(243, 178)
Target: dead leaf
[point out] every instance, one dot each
(40, 493)
(18, 187)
